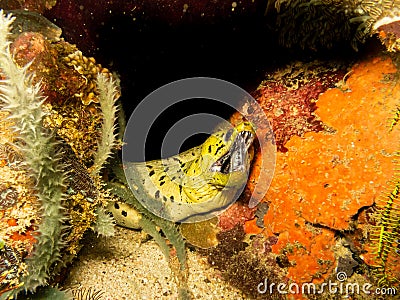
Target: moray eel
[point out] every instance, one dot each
(194, 185)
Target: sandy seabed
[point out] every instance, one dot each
(125, 267)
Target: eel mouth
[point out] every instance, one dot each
(236, 158)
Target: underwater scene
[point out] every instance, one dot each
(199, 149)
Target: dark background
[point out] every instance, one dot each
(152, 43)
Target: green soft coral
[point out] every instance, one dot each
(108, 95)
(22, 99)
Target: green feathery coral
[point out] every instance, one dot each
(386, 234)
(22, 99)
(108, 92)
(108, 95)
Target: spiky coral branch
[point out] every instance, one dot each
(105, 224)
(107, 97)
(22, 99)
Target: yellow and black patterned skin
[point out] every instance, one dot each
(198, 183)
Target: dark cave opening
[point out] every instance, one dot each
(148, 54)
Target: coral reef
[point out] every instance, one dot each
(22, 99)
(335, 126)
(48, 196)
(80, 110)
(236, 214)
(388, 29)
(67, 77)
(330, 167)
(288, 98)
(295, 90)
(244, 265)
(316, 24)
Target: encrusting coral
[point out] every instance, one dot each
(326, 177)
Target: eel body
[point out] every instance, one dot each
(194, 185)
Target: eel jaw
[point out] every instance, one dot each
(236, 158)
